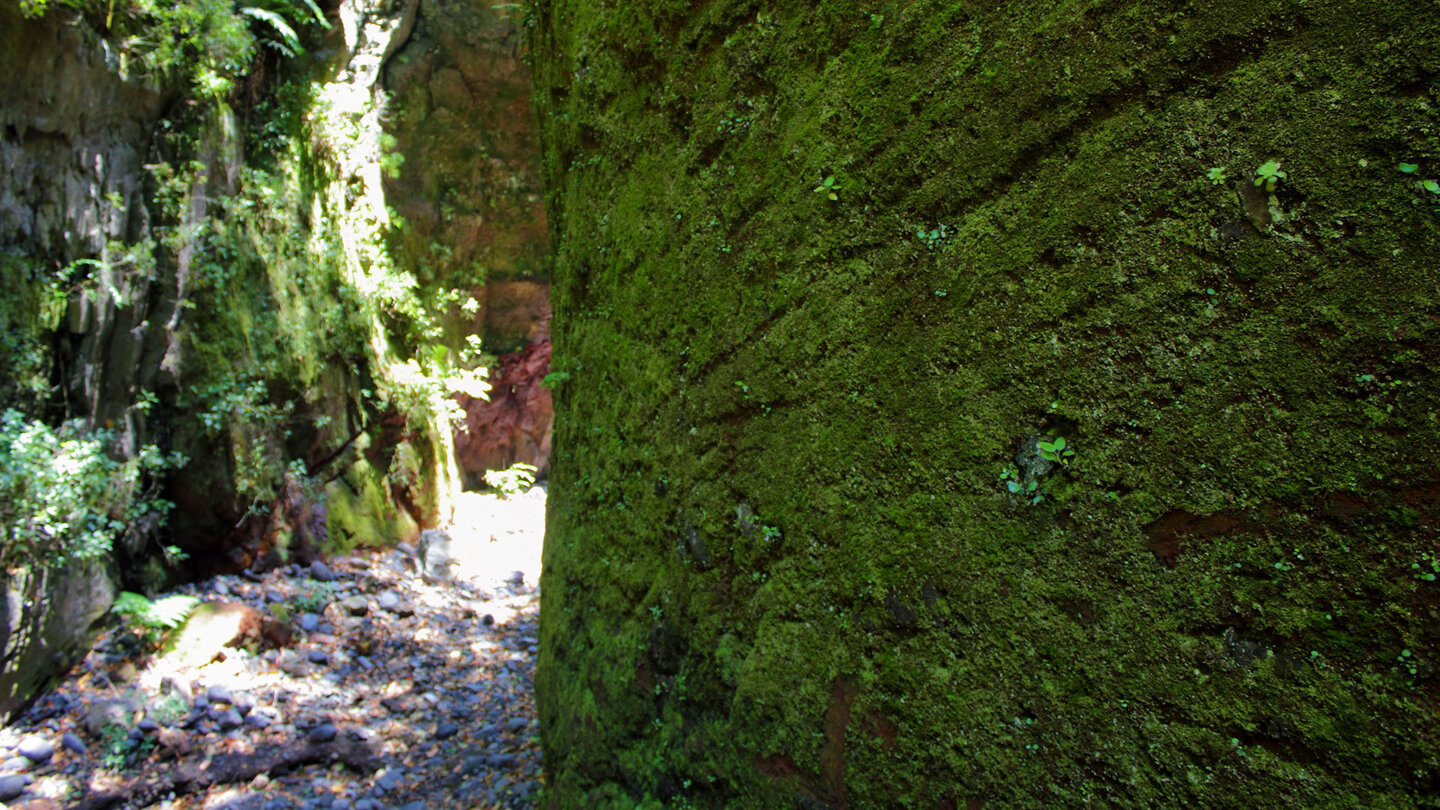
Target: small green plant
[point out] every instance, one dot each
(554, 378)
(1217, 176)
(829, 188)
(151, 620)
(1409, 168)
(1427, 568)
(515, 479)
(1056, 451)
(935, 237)
(1030, 490)
(313, 596)
(1269, 175)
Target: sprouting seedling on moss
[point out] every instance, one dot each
(829, 187)
(1269, 175)
(1217, 176)
(1056, 451)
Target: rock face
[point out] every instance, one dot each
(832, 281)
(513, 424)
(49, 620)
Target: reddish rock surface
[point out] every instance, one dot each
(514, 425)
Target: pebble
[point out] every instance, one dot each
(36, 749)
(389, 781)
(355, 606)
(321, 571)
(323, 733)
(516, 723)
(219, 694)
(309, 622)
(12, 786)
(388, 600)
(317, 657)
(73, 743)
(257, 721)
(230, 718)
(446, 730)
(220, 588)
(16, 764)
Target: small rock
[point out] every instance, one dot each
(12, 786)
(516, 723)
(389, 780)
(502, 760)
(230, 718)
(516, 578)
(436, 559)
(405, 548)
(309, 622)
(220, 588)
(321, 571)
(487, 620)
(325, 732)
(273, 595)
(446, 730)
(219, 694)
(73, 743)
(37, 749)
(105, 713)
(356, 606)
(16, 765)
(175, 741)
(388, 600)
(257, 721)
(413, 806)
(317, 657)
(368, 804)
(147, 725)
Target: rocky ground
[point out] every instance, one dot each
(358, 683)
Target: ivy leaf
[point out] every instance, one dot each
(1409, 168)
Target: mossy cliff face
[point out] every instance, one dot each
(197, 260)
(805, 548)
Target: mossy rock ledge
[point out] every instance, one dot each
(811, 541)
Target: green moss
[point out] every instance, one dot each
(1207, 605)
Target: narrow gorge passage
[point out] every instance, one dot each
(389, 690)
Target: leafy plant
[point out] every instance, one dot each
(515, 479)
(1217, 176)
(1427, 569)
(829, 188)
(1029, 490)
(935, 237)
(62, 496)
(554, 378)
(1056, 451)
(151, 620)
(1269, 175)
(313, 596)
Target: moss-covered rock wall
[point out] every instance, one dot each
(833, 281)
